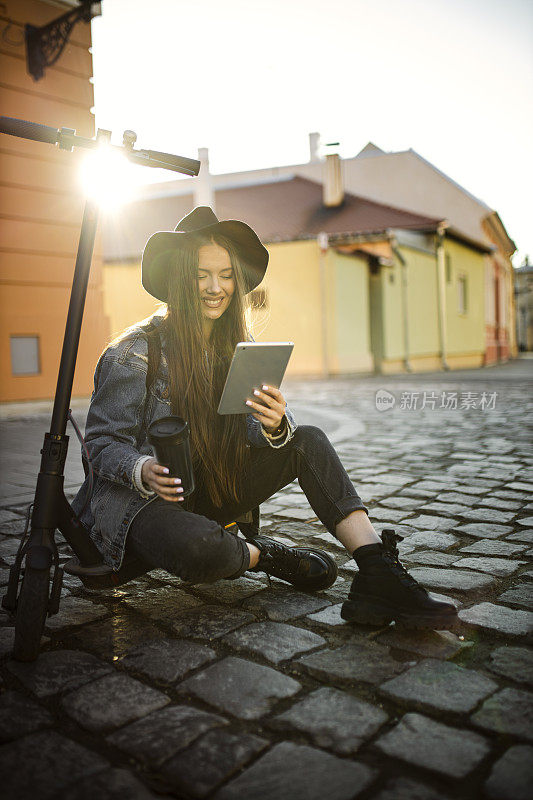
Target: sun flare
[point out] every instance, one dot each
(108, 177)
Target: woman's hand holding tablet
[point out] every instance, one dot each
(255, 365)
(272, 407)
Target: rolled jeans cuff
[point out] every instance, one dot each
(346, 505)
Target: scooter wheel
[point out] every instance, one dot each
(32, 607)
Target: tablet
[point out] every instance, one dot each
(253, 364)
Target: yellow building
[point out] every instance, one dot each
(41, 210)
(359, 286)
(431, 305)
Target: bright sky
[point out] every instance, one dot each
(249, 79)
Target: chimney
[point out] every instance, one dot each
(314, 144)
(203, 189)
(332, 188)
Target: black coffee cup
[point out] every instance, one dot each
(169, 437)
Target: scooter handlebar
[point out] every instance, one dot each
(67, 139)
(169, 161)
(29, 130)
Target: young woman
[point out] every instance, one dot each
(204, 271)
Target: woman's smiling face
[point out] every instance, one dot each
(216, 280)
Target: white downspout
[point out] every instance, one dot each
(405, 309)
(441, 292)
(323, 243)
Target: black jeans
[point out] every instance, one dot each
(195, 546)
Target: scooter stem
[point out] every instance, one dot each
(76, 307)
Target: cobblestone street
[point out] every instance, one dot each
(242, 689)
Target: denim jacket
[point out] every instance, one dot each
(120, 413)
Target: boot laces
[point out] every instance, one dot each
(279, 555)
(398, 569)
(392, 557)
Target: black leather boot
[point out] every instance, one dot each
(307, 569)
(383, 591)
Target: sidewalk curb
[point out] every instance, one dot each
(347, 428)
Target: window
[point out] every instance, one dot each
(25, 355)
(462, 296)
(448, 263)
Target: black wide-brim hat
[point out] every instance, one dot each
(161, 246)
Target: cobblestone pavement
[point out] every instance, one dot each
(245, 689)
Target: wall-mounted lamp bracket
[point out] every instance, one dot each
(44, 45)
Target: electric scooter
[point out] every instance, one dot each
(50, 510)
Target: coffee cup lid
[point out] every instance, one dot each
(167, 427)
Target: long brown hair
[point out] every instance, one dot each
(198, 369)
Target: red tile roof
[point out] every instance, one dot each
(283, 210)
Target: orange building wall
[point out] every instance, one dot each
(41, 206)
